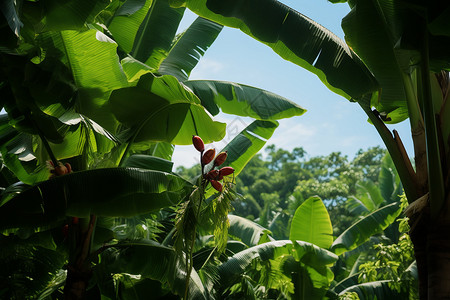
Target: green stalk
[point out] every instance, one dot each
(435, 176)
(417, 133)
(415, 116)
(190, 263)
(401, 161)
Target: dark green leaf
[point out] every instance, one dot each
(362, 230)
(295, 38)
(156, 33)
(92, 57)
(152, 260)
(369, 194)
(162, 109)
(309, 254)
(126, 22)
(345, 283)
(26, 267)
(71, 14)
(149, 163)
(375, 290)
(119, 192)
(189, 48)
(388, 179)
(243, 100)
(247, 143)
(369, 30)
(18, 157)
(249, 232)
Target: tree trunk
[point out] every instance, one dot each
(431, 239)
(76, 284)
(79, 271)
(418, 234)
(438, 261)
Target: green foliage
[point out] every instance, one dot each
(250, 233)
(83, 193)
(286, 178)
(28, 265)
(105, 85)
(391, 262)
(279, 262)
(349, 296)
(360, 231)
(311, 223)
(100, 85)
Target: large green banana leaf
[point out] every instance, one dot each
(311, 223)
(295, 38)
(369, 30)
(95, 66)
(349, 281)
(125, 24)
(310, 255)
(148, 39)
(243, 100)
(249, 232)
(72, 14)
(189, 48)
(26, 155)
(151, 260)
(40, 16)
(117, 192)
(388, 36)
(355, 206)
(362, 230)
(162, 109)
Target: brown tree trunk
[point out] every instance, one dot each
(438, 261)
(419, 228)
(431, 239)
(79, 272)
(76, 284)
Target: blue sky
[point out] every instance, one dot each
(331, 123)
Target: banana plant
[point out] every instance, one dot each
(369, 196)
(393, 63)
(100, 86)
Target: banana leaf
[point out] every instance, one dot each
(249, 232)
(311, 223)
(243, 100)
(189, 48)
(115, 192)
(295, 38)
(362, 230)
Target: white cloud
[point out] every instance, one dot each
(206, 69)
(292, 133)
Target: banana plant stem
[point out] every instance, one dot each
(402, 163)
(435, 176)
